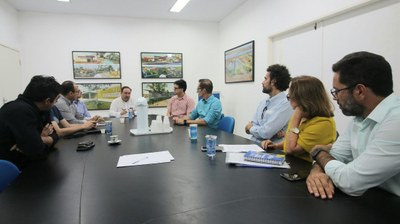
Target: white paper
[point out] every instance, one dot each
(241, 148)
(145, 158)
(238, 159)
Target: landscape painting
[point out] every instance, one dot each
(161, 65)
(157, 93)
(239, 63)
(96, 65)
(98, 96)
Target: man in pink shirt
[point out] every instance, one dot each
(181, 104)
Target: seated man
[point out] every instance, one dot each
(181, 104)
(272, 114)
(63, 127)
(120, 105)
(367, 154)
(81, 108)
(208, 110)
(25, 130)
(65, 104)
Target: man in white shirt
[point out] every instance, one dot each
(121, 105)
(367, 154)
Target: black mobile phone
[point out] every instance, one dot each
(217, 148)
(85, 143)
(84, 146)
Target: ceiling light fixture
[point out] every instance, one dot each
(63, 0)
(179, 5)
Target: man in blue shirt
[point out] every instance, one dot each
(208, 110)
(272, 114)
(81, 108)
(367, 154)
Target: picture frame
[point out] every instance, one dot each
(239, 63)
(98, 96)
(96, 64)
(157, 94)
(156, 65)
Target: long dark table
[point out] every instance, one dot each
(86, 187)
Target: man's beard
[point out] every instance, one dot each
(351, 108)
(266, 90)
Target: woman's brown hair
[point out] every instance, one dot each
(311, 96)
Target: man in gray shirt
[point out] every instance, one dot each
(65, 105)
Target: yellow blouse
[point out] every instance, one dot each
(316, 131)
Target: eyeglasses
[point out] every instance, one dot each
(177, 88)
(334, 91)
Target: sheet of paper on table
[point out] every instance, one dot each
(241, 148)
(145, 159)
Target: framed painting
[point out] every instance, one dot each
(157, 93)
(98, 96)
(161, 65)
(239, 63)
(96, 65)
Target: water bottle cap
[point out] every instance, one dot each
(141, 101)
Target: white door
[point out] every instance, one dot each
(10, 74)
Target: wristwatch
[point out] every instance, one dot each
(295, 131)
(315, 153)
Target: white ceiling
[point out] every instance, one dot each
(195, 10)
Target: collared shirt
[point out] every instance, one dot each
(118, 104)
(368, 153)
(68, 110)
(210, 110)
(56, 116)
(81, 109)
(268, 122)
(178, 107)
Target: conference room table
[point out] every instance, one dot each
(87, 187)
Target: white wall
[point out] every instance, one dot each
(47, 41)
(258, 20)
(8, 25)
(10, 71)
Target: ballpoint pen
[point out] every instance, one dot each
(140, 160)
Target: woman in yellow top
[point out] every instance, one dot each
(312, 122)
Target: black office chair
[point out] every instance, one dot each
(8, 172)
(227, 124)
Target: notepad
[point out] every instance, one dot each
(263, 157)
(238, 160)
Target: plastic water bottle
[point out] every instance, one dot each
(193, 133)
(130, 113)
(211, 143)
(142, 115)
(109, 127)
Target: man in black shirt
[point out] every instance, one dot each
(26, 132)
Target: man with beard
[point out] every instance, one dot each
(367, 154)
(120, 106)
(26, 133)
(272, 114)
